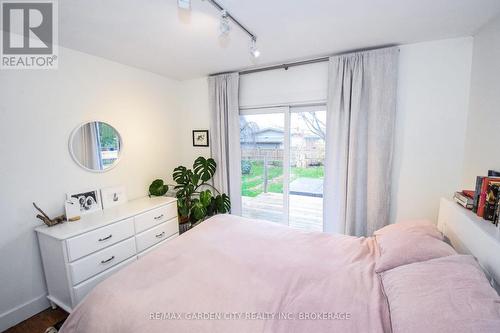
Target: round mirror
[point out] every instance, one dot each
(95, 146)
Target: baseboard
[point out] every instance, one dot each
(23, 312)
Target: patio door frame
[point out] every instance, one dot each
(286, 110)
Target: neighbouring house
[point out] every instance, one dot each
(305, 149)
(267, 138)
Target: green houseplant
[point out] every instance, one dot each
(197, 198)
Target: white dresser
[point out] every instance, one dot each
(78, 255)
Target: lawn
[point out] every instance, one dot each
(252, 184)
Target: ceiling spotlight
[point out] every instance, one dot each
(253, 48)
(184, 4)
(224, 26)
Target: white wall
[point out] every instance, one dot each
(193, 114)
(433, 94)
(483, 130)
(38, 111)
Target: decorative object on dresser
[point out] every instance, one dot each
(72, 209)
(200, 138)
(158, 188)
(77, 256)
(113, 196)
(89, 201)
(46, 219)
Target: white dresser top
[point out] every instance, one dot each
(107, 216)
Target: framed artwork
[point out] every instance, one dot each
(113, 196)
(72, 208)
(200, 138)
(88, 201)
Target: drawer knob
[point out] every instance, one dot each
(107, 260)
(105, 238)
(159, 217)
(160, 235)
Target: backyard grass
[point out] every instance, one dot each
(252, 184)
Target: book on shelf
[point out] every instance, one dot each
(493, 173)
(468, 193)
(463, 200)
(487, 181)
(491, 202)
(497, 212)
(477, 193)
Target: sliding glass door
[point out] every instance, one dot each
(307, 157)
(262, 139)
(282, 157)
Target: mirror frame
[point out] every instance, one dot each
(73, 157)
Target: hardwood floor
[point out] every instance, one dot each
(306, 213)
(39, 322)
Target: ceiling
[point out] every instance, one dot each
(155, 35)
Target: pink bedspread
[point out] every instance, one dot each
(231, 274)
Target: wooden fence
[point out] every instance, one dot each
(298, 157)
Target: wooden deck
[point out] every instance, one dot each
(306, 213)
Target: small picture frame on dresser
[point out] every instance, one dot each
(88, 201)
(200, 138)
(113, 196)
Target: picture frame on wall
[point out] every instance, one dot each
(88, 201)
(200, 138)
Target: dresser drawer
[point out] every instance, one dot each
(98, 239)
(98, 262)
(154, 217)
(157, 245)
(81, 290)
(157, 234)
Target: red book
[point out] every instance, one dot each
(468, 193)
(484, 191)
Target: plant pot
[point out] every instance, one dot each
(183, 227)
(183, 219)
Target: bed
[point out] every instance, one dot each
(231, 274)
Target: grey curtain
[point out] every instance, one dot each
(360, 137)
(87, 146)
(225, 135)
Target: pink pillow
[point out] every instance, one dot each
(449, 294)
(421, 226)
(409, 242)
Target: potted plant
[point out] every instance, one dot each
(197, 198)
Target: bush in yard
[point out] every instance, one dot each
(246, 167)
(277, 163)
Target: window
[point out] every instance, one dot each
(282, 157)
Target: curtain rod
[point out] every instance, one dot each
(297, 63)
(284, 66)
(273, 67)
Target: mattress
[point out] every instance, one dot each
(232, 274)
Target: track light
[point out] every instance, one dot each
(225, 23)
(224, 26)
(253, 48)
